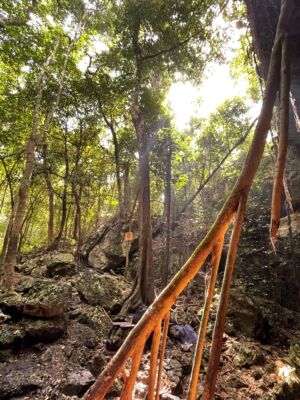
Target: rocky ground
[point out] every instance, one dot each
(58, 329)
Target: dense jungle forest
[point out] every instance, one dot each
(150, 199)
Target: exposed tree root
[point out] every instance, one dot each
(204, 321)
(153, 362)
(130, 382)
(216, 348)
(283, 140)
(162, 354)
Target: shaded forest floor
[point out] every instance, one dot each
(60, 327)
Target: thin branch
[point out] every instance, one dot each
(180, 43)
(217, 167)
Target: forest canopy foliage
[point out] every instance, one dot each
(85, 82)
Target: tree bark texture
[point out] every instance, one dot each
(143, 291)
(285, 82)
(167, 253)
(116, 157)
(55, 244)
(47, 176)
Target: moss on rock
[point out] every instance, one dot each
(103, 290)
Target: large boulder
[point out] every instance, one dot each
(76, 382)
(17, 385)
(49, 265)
(61, 265)
(10, 336)
(94, 317)
(10, 302)
(245, 317)
(103, 290)
(46, 299)
(82, 335)
(36, 298)
(43, 330)
(32, 267)
(28, 330)
(109, 252)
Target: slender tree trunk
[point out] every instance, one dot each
(126, 189)
(3, 198)
(26, 221)
(77, 235)
(12, 245)
(50, 196)
(5, 242)
(55, 244)
(16, 220)
(9, 182)
(63, 219)
(11, 218)
(75, 225)
(36, 136)
(66, 233)
(116, 157)
(77, 188)
(166, 264)
(283, 139)
(118, 171)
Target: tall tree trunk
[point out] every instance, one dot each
(143, 291)
(63, 219)
(116, 157)
(77, 192)
(66, 230)
(17, 216)
(36, 136)
(126, 196)
(50, 196)
(17, 221)
(77, 235)
(167, 205)
(11, 218)
(55, 244)
(27, 220)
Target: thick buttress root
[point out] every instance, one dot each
(235, 203)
